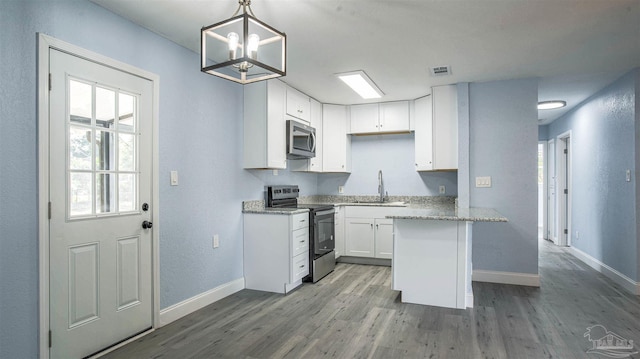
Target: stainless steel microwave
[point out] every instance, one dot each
(301, 140)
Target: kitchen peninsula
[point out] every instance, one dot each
(432, 253)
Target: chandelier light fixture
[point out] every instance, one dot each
(243, 49)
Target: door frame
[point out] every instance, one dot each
(563, 174)
(545, 156)
(45, 44)
(551, 202)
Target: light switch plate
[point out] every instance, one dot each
(483, 182)
(216, 241)
(174, 178)
(443, 189)
(341, 189)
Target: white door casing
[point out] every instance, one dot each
(98, 266)
(551, 193)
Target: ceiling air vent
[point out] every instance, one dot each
(441, 71)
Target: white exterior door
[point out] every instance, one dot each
(100, 194)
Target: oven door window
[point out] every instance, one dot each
(302, 139)
(324, 234)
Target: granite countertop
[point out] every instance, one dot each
(400, 207)
(447, 213)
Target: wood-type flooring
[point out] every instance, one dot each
(353, 313)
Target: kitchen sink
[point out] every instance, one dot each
(378, 203)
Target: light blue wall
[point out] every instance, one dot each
(200, 136)
(504, 145)
(394, 155)
(604, 141)
(543, 133)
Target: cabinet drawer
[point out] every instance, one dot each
(300, 220)
(300, 240)
(299, 267)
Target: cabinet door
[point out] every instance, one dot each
(336, 143)
(394, 117)
(364, 118)
(359, 241)
(384, 237)
(445, 127)
(315, 163)
(423, 134)
(298, 104)
(264, 125)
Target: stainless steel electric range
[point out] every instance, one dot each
(321, 230)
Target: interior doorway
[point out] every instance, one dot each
(563, 174)
(542, 190)
(551, 233)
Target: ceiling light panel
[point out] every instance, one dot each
(361, 84)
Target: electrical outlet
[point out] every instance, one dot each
(577, 235)
(275, 172)
(443, 189)
(340, 189)
(216, 241)
(628, 175)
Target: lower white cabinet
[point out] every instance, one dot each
(276, 251)
(368, 233)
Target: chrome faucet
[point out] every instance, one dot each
(381, 187)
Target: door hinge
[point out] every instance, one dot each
(566, 231)
(565, 151)
(49, 81)
(566, 191)
(49, 210)
(49, 339)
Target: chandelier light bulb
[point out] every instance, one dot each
(252, 46)
(233, 39)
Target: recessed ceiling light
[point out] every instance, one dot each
(361, 83)
(551, 105)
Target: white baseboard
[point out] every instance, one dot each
(626, 282)
(199, 301)
(468, 300)
(527, 279)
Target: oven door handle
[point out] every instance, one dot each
(324, 213)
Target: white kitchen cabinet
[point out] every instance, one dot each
(383, 238)
(313, 164)
(264, 125)
(367, 232)
(360, 241)
(436, 130)
(298, 104)
(336, 143)
(339, 229)
(385, 117)
(364, 118)
(276, 251)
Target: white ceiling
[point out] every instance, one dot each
(575, 47)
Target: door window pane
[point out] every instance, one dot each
(80, 193)
(126, 152)
(105, 108)
(80, 103)
(105, 193)
(126, 112)
(105, 150)
(127, 192)
(79, 148)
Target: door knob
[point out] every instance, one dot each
(147, 224)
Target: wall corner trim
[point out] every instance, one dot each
(468, 300)
(190, 305)
(627, 283)
(526, 279)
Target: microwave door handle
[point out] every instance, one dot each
(313, 139)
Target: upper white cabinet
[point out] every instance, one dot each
(298, 105)
(336, 146)
(265, 125)
(313, 164)
(386, 117)
(436, 130)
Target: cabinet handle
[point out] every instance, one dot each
(303, 220)
(302, 241)
(376, 226)
(302, 266)
(371, 225)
